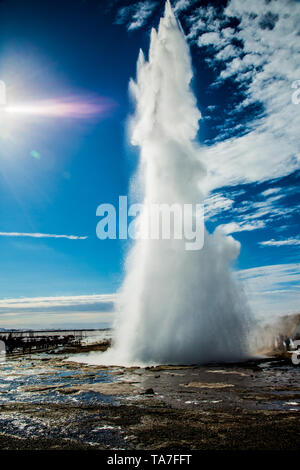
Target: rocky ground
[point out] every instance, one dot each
(48, 403)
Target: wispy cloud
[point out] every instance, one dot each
(41, 235)
(82, 311)
(22, 303)
(272, 290)
(269, 191)
(261, 55)
(181, 5)
(234, 227)
(287, 242)
(253, 212)
(216, 204)
(135, 16)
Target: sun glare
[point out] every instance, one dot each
(71, 107)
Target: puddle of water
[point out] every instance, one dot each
(16, 375)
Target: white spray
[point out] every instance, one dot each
(176, 306)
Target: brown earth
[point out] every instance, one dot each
(246, 406)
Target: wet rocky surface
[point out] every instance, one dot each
(49, 403)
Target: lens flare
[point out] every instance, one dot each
(70, 107)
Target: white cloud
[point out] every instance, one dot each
(42, 320)
(272, 290)
(271, 208)
(142, 13)
(135, 16)
(181, 5)
(41, 235)
(234, 227)
(82, 311)
(266, 63)
(57, 301)
(257, 214)
(248, 215)
(287, 242)
(267, 192)
(216, 204)
(205, 19)
(250, 158)
(227, 52)
(212, 38)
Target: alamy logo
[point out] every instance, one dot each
(296, 94)
(296, 354)
(152, 222)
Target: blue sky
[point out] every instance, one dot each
(55, 171)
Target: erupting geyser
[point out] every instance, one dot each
(176, 306)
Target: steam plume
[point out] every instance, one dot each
(176, 306)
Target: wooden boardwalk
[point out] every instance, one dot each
(22, 342)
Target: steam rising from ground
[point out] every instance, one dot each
(176, 306)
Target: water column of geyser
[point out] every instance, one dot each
(176, 306)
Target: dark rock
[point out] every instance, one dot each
(149, 391)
